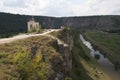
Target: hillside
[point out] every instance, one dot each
(59, 55)
(12, 23)
(85, 67)
(36, 58)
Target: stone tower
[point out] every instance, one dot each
(32, 25)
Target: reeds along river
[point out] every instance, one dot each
(103, 61)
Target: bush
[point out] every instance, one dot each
(39, 29)
(3, 55)
(30, 68)
(4, 60)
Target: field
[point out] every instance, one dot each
(107, 43)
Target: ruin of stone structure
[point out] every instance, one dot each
(32, 25)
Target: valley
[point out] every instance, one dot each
(104, 62)
(64, 48)
(107, 43)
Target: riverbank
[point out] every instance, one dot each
(108, 44)
(85, 67)
(104, 62)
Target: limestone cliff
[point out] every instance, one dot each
(65, 35)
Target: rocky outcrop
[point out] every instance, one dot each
(65, 51)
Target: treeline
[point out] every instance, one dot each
(14, 23)
(113, 31)
(11, 24)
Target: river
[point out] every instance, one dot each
(104, 62)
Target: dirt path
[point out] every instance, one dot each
(22, 36)
(58, 40)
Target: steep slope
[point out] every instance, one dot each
(85, 67)
(35, 58)
(57, 56)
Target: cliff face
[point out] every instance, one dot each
(95, 22)
(65, 36)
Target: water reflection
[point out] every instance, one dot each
(105, 63)
(93, 52)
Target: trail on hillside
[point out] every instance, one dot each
(58, 40)
(22, 36)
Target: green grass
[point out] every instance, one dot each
(84, 66)
(107, 43)
(34, 58)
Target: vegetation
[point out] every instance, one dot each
(62, 34)
(84, 66)
(35, 58)
(38, 30)
(6, 35)
(14, 23)
(39, 58)
(113, 31)
(107, 43)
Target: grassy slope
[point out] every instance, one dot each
(107, 43)
(34, 58)
(14, 56)
(84, 66)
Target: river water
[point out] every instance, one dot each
(103, 61)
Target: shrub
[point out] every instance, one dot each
(39, 29)
(30, 68)
(3, 54)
